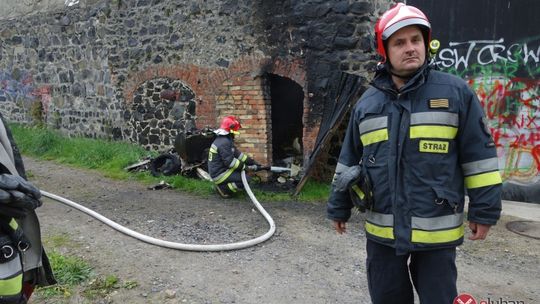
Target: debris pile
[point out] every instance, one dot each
(189, 158)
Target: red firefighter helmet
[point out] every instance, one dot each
(230, 124)
(399, 16)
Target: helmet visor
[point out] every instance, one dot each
(401, 24)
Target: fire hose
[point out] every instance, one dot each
(175, 245)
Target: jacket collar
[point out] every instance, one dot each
(383, 80)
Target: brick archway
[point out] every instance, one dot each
(238, 90)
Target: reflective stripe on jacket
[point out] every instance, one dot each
(420, 148)
(224, 159)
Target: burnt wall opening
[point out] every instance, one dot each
(287, 100)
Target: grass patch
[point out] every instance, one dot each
(101, 287)
(74, 275)
(58, 240)
(110, 159)
(105, 156)
(69, 271)
(314, 191)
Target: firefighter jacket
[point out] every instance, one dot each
(35, 268)
(224, 159)
(420, 148)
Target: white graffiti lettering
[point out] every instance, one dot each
(485, 52)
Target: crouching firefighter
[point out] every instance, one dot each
(226, 162)
(23, 262)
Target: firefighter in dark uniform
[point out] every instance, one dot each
(417, 138)
(23, 262)
(226, 162)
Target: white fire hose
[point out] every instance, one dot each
(175, 245)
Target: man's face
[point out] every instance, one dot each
(406, 50)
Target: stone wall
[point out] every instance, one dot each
(99, 68)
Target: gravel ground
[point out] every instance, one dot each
(304, 262)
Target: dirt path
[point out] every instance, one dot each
(304, 262)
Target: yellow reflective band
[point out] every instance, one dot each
(431, 131)
(374, 137)
(232, 187)
(243, 157)
(13, 224)
(235, 163)
(382, 232)
(11, 287)
(223, 176)
(433, 146)
(435, 237)
(358, 191)
(482, 180)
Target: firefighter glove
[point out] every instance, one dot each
(253, 168)
(14, 182)
(361, 193)
(344, 180)
(17, 196)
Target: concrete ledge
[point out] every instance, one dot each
(528, 211)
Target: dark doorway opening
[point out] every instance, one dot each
(287, 99)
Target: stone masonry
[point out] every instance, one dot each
(98, 68)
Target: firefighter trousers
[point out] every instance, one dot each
(231, 185)
(391, 277)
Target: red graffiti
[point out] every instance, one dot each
(513, 108)
(499, 99)
(515, 140)
(536, 155)
(518, 121)
(45, 90)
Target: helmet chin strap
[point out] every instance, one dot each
(404, 77)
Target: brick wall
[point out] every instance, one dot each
(245, 97)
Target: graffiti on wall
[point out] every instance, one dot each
(18, 87)
(505, 77)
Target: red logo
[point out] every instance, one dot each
(464, 299)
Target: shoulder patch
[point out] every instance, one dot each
(441, 103)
